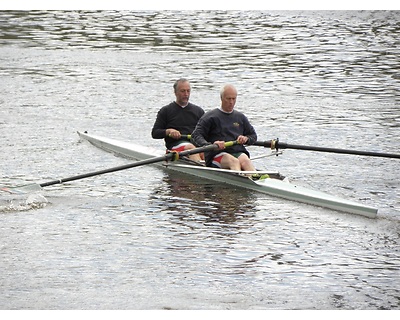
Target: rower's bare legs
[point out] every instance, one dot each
(194, 157)
(230, 162)
(245, 163)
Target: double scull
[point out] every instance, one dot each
(275, 185)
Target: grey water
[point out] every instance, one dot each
(147, 239)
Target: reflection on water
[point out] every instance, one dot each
(202, 204)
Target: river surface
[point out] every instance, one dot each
(147, 239)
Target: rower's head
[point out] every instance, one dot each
(228, 97)
(182, 91)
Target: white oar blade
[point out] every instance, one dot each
(22, 189)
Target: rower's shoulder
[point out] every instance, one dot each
(192, 105)
(167, 107)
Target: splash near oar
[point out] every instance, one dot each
(276, 145)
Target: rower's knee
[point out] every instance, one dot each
(245, 163)
(189, 146)
(195, 157)
(230, 162)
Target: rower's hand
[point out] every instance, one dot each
(220, 144)
(172, 133)
(242, 139)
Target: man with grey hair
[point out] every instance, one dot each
(226, 124)
(177, 120)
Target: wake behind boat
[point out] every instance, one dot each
(275, 185)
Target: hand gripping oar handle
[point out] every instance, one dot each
(170, 156)
(276, 144)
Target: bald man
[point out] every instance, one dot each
(226, 124)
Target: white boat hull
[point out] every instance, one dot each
(273, 187)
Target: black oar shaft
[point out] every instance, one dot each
(344, 151)
(276, 144)
(114, 169)
(172, 156)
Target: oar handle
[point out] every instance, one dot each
(230, 143)
(276, 144)
(209, 147)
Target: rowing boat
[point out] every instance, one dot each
(275, 185)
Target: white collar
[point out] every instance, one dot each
(182, 106)
(220, 108)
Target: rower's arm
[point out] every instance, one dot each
(198, 137)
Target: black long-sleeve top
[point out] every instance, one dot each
(183, 119)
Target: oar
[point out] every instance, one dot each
(171, 156)
(276, 144)
(186, 136)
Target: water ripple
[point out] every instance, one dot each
(147, 239)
